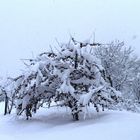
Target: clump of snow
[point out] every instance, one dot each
(108, 125)
(85, 98)
(66, 88)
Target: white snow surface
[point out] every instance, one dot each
(56, 124)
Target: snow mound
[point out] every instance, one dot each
(56, 124)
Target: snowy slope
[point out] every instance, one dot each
(56, 124)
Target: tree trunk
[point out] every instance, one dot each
(11, 107)
(6, 105)
(76, 116)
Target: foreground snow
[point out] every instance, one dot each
(55, 124)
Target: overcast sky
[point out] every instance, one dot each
(27, 27)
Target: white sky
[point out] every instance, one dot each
(28, 26)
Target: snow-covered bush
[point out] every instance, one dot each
(71, 77)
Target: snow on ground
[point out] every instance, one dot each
(56, 124)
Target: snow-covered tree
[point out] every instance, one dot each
(1, 92)
(136, 87)
(120, 65)
(4, 97)
(71, 77)
(1, 95)
(8, 94)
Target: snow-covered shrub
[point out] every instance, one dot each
(71, 77)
